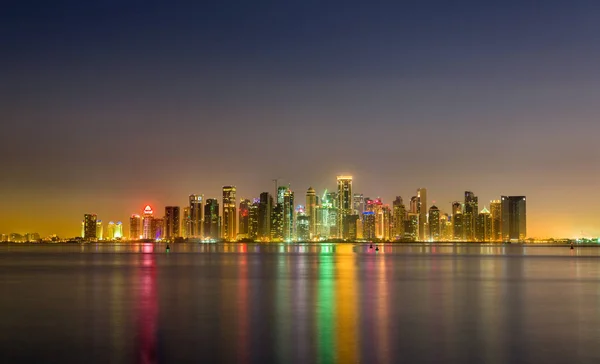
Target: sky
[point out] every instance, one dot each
(106, 106)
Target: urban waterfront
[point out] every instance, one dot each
(302, 303)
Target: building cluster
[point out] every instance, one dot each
(333, 215)
(20, 238)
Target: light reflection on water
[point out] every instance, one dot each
(260, 303)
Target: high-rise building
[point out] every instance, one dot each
(157, 229)
(244, 218)
(211, 219)
(89, 226)
(147, 217)
(197, 222)
(172, 223)
(186, 222)
(99, 230)
(229, 228)
(514, 218)
(358, 204)
(414, 205)
(496, 216)
(118, 234)
(399, 213)
(345, 202)
(311, 211)
(434, 223)
(386, 213)
(458, 227)
(422, 211)
(483, 226)
(265, 207)
(445, 228)
(303, 226)
(368, 225)
(411, 227)
(470, 215)
(110, 231)
(253, 219)
(135, 231)
(277, 222)
(288, 215)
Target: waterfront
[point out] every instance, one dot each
(344, 303)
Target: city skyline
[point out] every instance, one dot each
(114, 105)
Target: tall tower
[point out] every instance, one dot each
(229, 229)
(288, 215)
(434, 223)
(398, 218)
(253, 219)
(135, 222)
(265, 205)
(118, 231)
(422, 211)
(211, 219)
(186, 222)
(496, 220)
(470, 215)
(311, 211)
(89, 226)
(483, 226)
(172, 224)
(99, 230)
(345, 202)
(244, 218)
(196, 225)
(514, 218)
(147, 225)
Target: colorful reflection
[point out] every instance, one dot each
(147, 309)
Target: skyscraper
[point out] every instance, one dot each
(264, 216)
(157, 228)
(399, 213)
(277, 222)
(244, 218)
(457, 226)
(411, 226)
(211, 219)
(147, 228)
(496, 216)
(186, 222)
(358, 204)
(345, 202)
(483, 226)
(196, 228)
(172, 223)
(368, 225)
(514, 218)
(470, 215)
(422, 211)
(229, 228)
(89, 227)
(288, 215)
(434, 223)
(110, 230)
(253, 219)
(118, 235)
(135, 222)
(303, 226)
(311, 211)
(99, 230)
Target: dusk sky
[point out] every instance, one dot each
(109, 105)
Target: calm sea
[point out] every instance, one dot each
(249, 303)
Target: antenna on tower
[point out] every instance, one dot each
(276, 180)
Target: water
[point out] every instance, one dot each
(247, 303)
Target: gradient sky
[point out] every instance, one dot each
(109, 105)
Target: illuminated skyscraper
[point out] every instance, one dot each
(110, 231)
(470, 215)
(186, 222)
(229, 229)
(414, 205)
(244, 219)
(345, 202)
(445, 228)
(327, 218)
(196, 229)
(411, 227)
(253, 219)
(303, 226)
(157, 229)
(311, 211)
(211, 219)
(514, 218)
(483, 226)
(358, 204)
(434, 223)
(386, 213)
(89, 226)
(147, 218)
(277, 222)
(172, 223)
(422, 211)
(265, 207)
(399, 213)
(457, 226)
(99, 230)
(368, 225)
(496, 216)
(135, 223)
(288, 215)
(118, 234)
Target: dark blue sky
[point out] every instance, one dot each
(107, 105)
